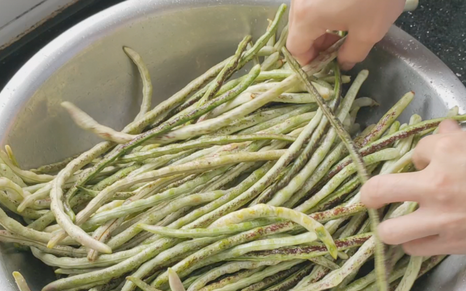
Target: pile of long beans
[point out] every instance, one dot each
(230, 184)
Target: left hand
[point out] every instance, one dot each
(439, 225)
(367, 22)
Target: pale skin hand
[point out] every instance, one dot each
(438, 227)
(366, 21)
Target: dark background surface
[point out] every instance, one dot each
(439, 25)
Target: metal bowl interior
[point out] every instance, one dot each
(179, 40)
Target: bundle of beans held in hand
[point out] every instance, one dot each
(247, 183)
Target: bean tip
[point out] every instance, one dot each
(174, 281)
(334, 253)
(363, 74)
(106, 249)
(67, 105)
(132, 54)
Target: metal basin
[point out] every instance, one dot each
(179, 40)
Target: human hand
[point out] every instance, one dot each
(439, 225)
(366, 21)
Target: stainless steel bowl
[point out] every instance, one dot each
(179, 40)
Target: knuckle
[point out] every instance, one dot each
(388, 233)
(445, 144)
(441, 185)
(411, 249)
(443, 198)
(440, 181)
(373, 37)
(375, 33)
(346, 56)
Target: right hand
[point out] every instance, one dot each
(438, 227)
(366, 21)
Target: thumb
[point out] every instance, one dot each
(449, 126)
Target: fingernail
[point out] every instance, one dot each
(347, 66)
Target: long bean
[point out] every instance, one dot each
(57, 208)
(260, 117)
(8, 173)
(58, 250)
(193, 167)
(227, 268)
(260, 275)
(189, 263)
(398, 273)
(306, 252)
(176, 204)
(218, 140)
(141, 284)
(21, 282)
(261, 245)
(26, 176)
(146, 82)
(248, 56)
(292, 280)
(15, 192)
(411, 274)
(387, 154)
(272, 279)
(15, 227)
(86, 122)
(229, 68)
(207, 232)
(191, 217)
(320, 153)
(286, 121)
(241, 275)
(180, 197)
(391, 138)
(289, 97)
(301, 161)
(54, 167)
(363, 174)
(280, 212)
(175, 282)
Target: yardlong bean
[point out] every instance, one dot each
(178, 192)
